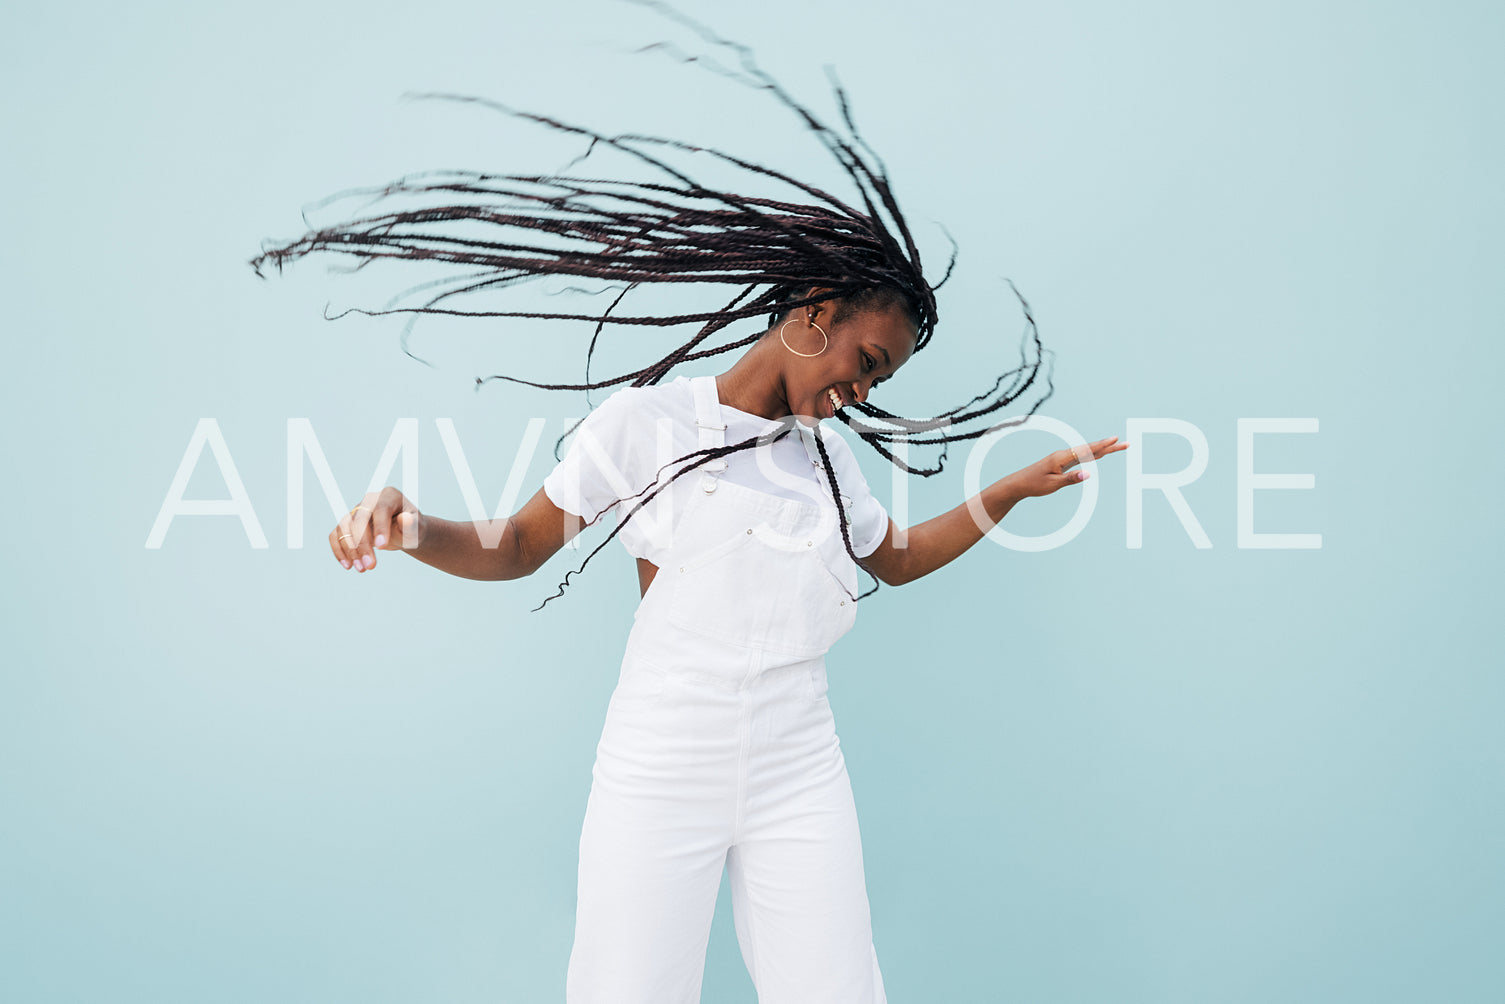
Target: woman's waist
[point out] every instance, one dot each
(674, 650)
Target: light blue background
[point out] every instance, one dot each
(1089, 774)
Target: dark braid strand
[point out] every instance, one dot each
(777, 254)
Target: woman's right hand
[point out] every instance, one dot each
(1054, 472)
(382, 521)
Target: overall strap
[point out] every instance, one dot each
(807, 436)
(712, 429)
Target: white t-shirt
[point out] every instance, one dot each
(621, 446)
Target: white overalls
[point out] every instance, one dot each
(719, 749)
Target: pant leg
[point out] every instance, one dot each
(657, 826)
(645, 903)
(799, 898)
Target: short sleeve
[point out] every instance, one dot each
(609, 458)
(868, 520)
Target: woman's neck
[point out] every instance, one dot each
(754, 384)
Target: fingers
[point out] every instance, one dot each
(1103, 447)
(392, 521)
(405, 529)
(1072, 456)
(1053, 481)
(364, 535)
(1092, 451)
(383, 520)
(381, 525)
(339, 541)
(358, 545)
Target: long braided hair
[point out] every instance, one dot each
(777, 256)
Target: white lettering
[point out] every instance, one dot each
(1168, 484)
(301, 442)
(1250, 482)
(971, 484)
(238, 504)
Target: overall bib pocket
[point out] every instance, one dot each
(756, 588)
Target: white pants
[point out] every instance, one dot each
(691, 775)
(719, 750)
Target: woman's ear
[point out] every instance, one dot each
(818, 312)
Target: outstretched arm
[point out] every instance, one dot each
(941, 540)
(507, 548)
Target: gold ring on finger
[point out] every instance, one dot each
(345, 536)
(355, 509)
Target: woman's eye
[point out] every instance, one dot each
(867, 362)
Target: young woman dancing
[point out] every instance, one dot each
(749, 519)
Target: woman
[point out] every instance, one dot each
(748, 519)
(719, 747)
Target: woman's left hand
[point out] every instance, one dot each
(1058, 469)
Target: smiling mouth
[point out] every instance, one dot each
(835, 400)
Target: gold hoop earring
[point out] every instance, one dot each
(825, 343)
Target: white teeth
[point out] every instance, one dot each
(835, 399)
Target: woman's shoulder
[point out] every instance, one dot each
(839, 449)
(651, 401)
(836, 443)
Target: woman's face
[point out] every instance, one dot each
(865, 349)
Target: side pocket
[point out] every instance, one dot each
(842, 568)
(640, 685)
(818, 682)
